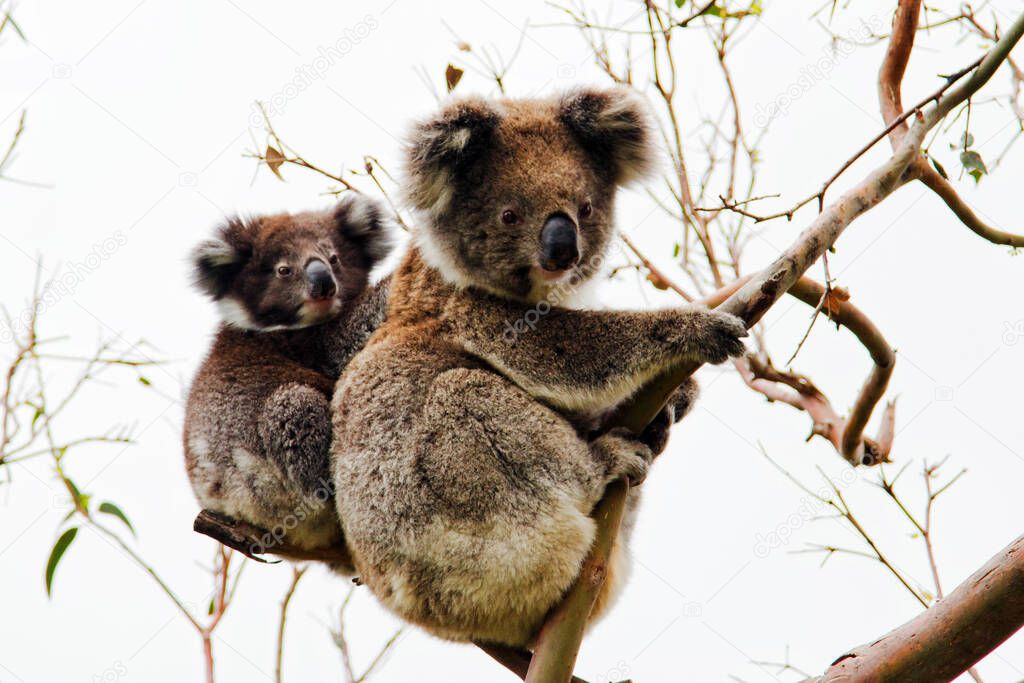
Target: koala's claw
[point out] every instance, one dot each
(625, 456)
(723, 337)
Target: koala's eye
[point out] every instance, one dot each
(333, 259)
(586, 208)
(509, 217)
(284, 271)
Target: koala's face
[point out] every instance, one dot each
(518, 195)
(289, 271)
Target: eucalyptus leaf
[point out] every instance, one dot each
(111, 509)
(59, 548)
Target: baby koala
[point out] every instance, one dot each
(294, 295)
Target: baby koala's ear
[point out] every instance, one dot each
(367, 224)
(441, 146)
(614, 126)
(216, 262)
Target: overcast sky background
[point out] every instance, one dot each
(138, 116)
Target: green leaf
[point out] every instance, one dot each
(973, 164)
(144, 381)
(58, 551)
(680, 3)
(715, 11)
(675, 250)
(75, 493)
(755, 7)
(939, 167)
(210, 607)
(966, 140)
(111, 509)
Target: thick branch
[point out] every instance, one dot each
(942, 187)
(515, 660)
(890, 75)
(559, 639)
(942, 642)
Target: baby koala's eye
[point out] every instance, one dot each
(509, 217)
(284, 271)
(586, 208)
(333, 259)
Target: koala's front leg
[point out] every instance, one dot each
(295, 427)
(592, 359)
(656, 434)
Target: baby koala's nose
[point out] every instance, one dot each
(558, 244)
(320, 280)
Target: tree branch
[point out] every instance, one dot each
(252, 541)
(891, 103)
(942, 642)
(846, 434)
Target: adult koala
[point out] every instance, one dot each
(461, 456)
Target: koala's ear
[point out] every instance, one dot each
(216, 262)
(366, 223)
(439, 147)
(614, 125)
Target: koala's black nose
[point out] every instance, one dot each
(558, 247)
(321, 282)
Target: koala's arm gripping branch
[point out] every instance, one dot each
(539, 347)
(558, 643)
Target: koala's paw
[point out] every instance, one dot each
(623, 455)
(719, 336)
(684, 398)
(655, 434)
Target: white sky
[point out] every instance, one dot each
(138, 113)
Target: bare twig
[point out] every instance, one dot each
(297, 574)
(338, 635)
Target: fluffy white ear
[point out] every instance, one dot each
(613, 125)
(217, 261)
(368, 224)
(442, 145)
